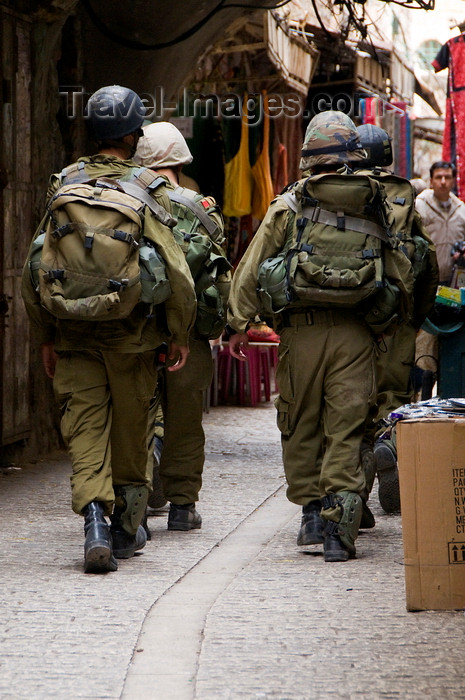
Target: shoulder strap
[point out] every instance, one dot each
(159, 212)
(75, 173)
(291, 200)
(205, 220)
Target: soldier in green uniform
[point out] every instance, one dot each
(104, 373)
(325, 373)
(165, 150)
(395, 354)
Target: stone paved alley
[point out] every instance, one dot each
(234, 611)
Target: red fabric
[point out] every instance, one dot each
(452, 55)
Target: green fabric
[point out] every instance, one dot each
(337, 264)
(326, 386)
(347, 514)
(109, 393)
(137, 332)
(205, 257)
(182, 399)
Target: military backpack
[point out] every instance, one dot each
(91, 261)
(412, 238)
(205, 257)
(340, 251)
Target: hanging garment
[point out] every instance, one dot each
(452, 56)
(281, 177)
(371, 110)
(262, 192)
(238, 179)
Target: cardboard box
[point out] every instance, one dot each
(431, 459)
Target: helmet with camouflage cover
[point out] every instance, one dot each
(377, 143)
(331, 139)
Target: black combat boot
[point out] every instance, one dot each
(334, 549)
(388, 476)
(184, 517)
(312, 525)
(124, 544)
(98, 556)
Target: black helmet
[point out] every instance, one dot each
(114, 112)
(377, 144)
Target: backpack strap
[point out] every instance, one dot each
(340, 221)
(146, 179)
(159, 212)
(205, 220)
(74, 173)
(291, 201)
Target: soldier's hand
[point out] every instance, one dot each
(236, 343)
(178, 353)
(49, 358)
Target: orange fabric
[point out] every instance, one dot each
(263, 191)
(238, 180)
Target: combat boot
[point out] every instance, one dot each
(184, 517)
(98, 555)
(125, 544)
(388, 476)
(312, 525)
(130, 507)
(334, 549)
(343, 513)
(367, 459)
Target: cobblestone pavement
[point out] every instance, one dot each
(229, 612)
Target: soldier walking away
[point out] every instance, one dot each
(101, 359)
(199, 227)
(326, 356)
(395, 353)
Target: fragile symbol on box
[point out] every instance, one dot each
(456, 552)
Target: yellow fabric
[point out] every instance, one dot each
(263, 191)
(238, 179)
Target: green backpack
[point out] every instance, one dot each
(91, 261)
(205, 257)
(339, 252)
(412, 237)
(400, 196)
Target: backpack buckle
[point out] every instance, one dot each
(316, 214)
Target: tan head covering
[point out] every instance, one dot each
(162, 146)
